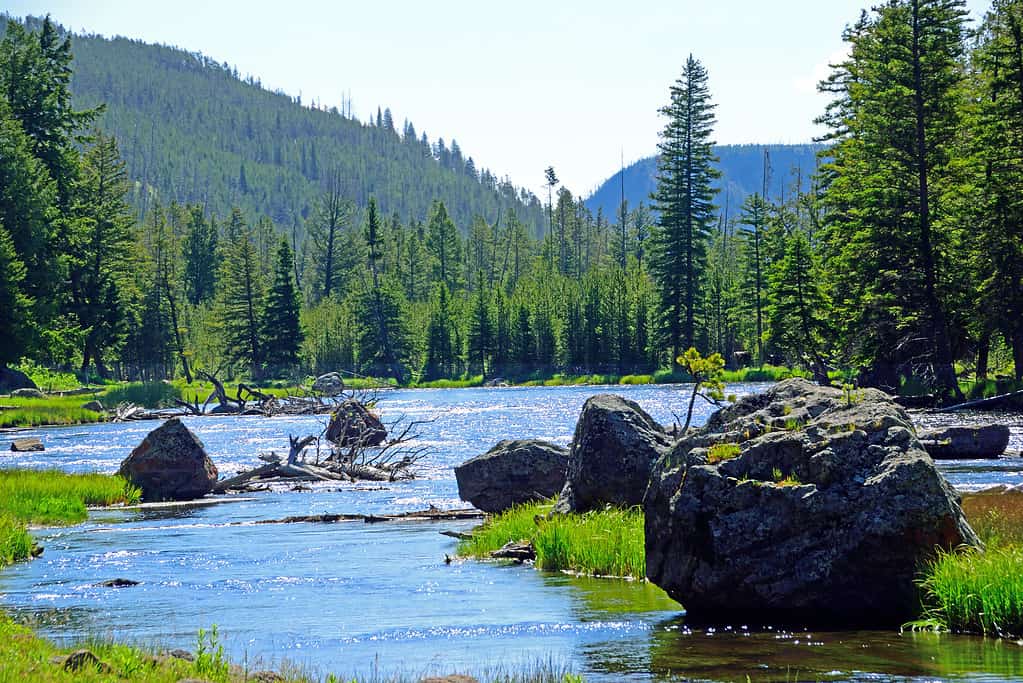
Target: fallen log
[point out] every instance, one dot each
(992, 403)
(430, 515)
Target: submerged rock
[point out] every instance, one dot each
(28, 445)
(353, 425)
(819, 511)
(170, 464)
(615, 444)
(512, 473)
(979, 441)
(118, 583)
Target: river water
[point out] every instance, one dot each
(354, 598)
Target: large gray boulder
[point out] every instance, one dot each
(330, 384)
(615, 444)
(11, 379)
(512, 473)
(802, 505)
(170, 464)
(964, 442)
(28, 392)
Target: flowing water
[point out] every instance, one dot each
(357, 598)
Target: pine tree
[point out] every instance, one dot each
(281, 332)
(796, 319)
(331, 250)
(445, 245)
(384, 342)
(241, 297)
(997, 139)
(200, 253)
(28, 204)
(481, 332)
(102, 258)
(15, 307)
(753, 224)
(895, 125)
(440, 352)
(684, 198)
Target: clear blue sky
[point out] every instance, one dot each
(520, 85)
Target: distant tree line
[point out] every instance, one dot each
(900, 254)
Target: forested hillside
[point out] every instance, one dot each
(742, 174)
(190, 130)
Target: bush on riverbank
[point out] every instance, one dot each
(52, 498)
(602, 543)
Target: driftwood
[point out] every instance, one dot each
(351, 460)
(993, 403)
(431, 515)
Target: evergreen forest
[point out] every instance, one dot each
(133, 246)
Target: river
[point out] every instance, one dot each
(354, 598)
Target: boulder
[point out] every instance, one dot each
(94, 406)
(11, 380)
(28, 445)
(353, 425)
(977, 441)
(804, 505)
(27, 392)
(615, 444)
(512, 473)
(170, 464)
(330, 384)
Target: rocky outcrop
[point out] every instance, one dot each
(28, 392)
(11, 379)
(615, 444)
(977, 441)
(512, 473)
(353, 425)
(94, 406)
(170, 464)
(802, 505)
(330, 384)
(28, 445)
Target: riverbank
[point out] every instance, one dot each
(66, 405)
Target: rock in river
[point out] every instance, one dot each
(977, 441)
(330, 384)
(615, 444)
(512, 473)
(170, 464)
(353, 425)
(801, 506)
(27, 445)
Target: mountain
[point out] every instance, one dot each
(742, 170)
(191, 130)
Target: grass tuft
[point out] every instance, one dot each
(50, 498)
(606, 542)
(721, 452)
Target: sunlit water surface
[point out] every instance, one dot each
(358, 598)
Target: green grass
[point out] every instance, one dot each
(52, 410)
(980, 591)
(25, 658)
(52, 498)
(464, 383)
(146, 394)
(721, 452)
(976, 591)
(600, 543)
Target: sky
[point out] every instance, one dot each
(520, 85)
